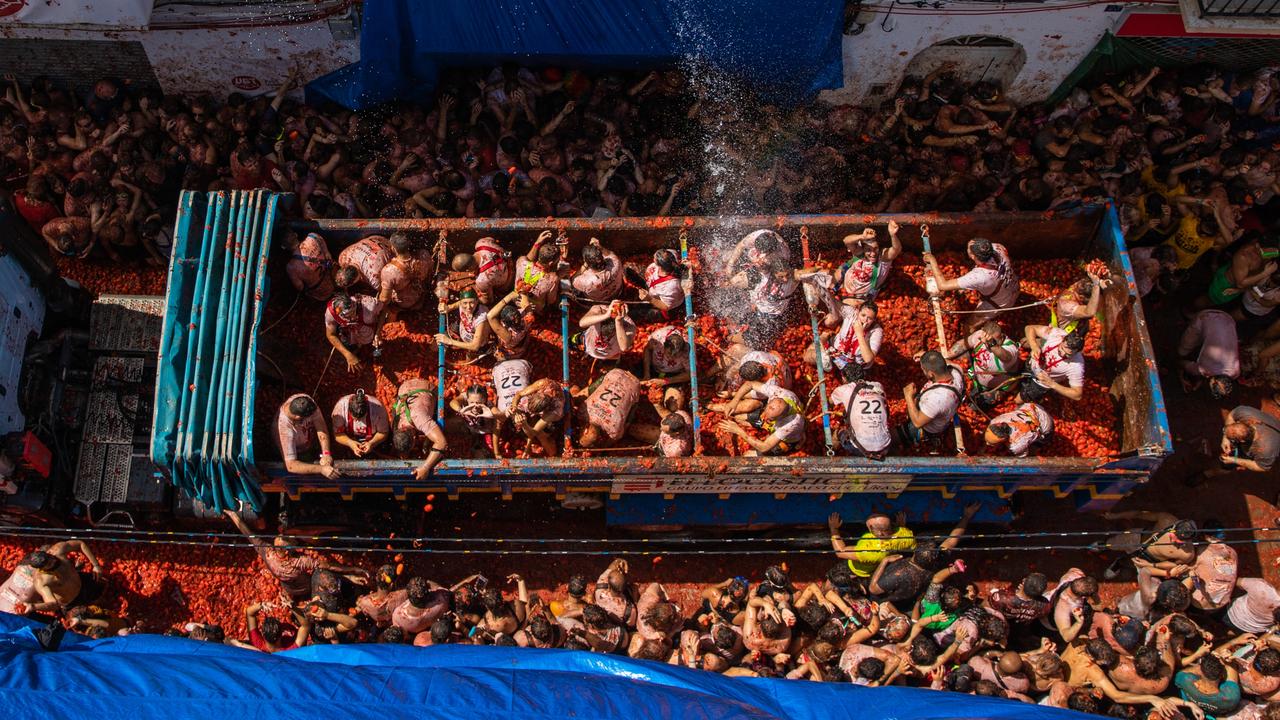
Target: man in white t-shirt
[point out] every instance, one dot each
(1027, 426)
(666, 363)
(866, 411)
(781, 417)
(992, 277)
(863, 275)
(509, 378)
(663, 284)
(1056, 363)
(1211, 336)
(757, 249)
(607, 331)
(931, 410)
(537, 282)
(994, 363)
(360, 423)
(303, 438)
(350, 322)
(1257, 610)
(600, 279)
(857, 341)
(769, 292)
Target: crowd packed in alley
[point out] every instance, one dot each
(1189, 159)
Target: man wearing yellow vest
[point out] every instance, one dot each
(884, 536)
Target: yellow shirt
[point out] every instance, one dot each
(1188, 243)
(1170, 194)
(870, 550)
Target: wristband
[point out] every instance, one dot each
(325, 453)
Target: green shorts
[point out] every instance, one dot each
(1221, 291)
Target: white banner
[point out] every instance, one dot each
(111, 13)
(677, 484)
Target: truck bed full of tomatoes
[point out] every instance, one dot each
(1087, 428)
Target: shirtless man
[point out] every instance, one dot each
(1166, 542)
(601, 277)
(1056, 364)
(994, 363)
(1249, 265)
(360, 423)
(613, 595)
(351, 322)
(1027, 426)
(1212, 337)
(992, 278)
(414, 409)
(404, 277)
(363, 260)
(764, 633)
(310, 267)
(303, 438)
(607, 407)
(1088, 664)
(537, 280)
(47, 581)
(861, 277)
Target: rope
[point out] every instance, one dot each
(320, 379)
(53, 534)
(101, 535)
(997, 310)
(273, 325)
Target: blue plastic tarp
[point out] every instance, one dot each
(790, 47)
(202, 432)
(149, 676)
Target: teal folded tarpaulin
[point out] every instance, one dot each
(141, 677)
(202, 430)
(786, 49)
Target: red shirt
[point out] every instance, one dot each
(35, 212)
(260, 642)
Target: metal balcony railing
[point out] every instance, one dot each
(1240, 8)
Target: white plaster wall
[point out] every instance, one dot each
(220, 61)
(1055, 41)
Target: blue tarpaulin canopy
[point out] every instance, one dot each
(149, 676)
(791, 47)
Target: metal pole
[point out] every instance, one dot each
(442, 258)
(564, 370)
(935, 307)
(817, 349)
(689, 319)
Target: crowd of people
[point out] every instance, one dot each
(1189, 157)
(1192, 639)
